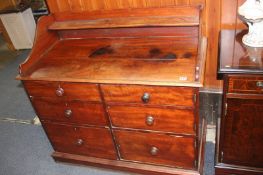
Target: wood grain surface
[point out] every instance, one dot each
(126, 48)
(96, 142)
(120, 22)
(132, 32)
(239, 139)
(82, 112)
(211, 22)
(96, 60)
(172, 150)
(44, 39)
(235, 57)
(184, 12)
(130, 59)
(91, 5)
(210, 15)
(245, 85)
(167, 120)
(174, 96)
(229, 15)
(242, 139)
(72, 91)
(135, 167)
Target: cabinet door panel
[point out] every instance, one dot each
(243, 133)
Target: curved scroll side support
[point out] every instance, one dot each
(44, 39)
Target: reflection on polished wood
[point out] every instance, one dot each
(240, 132)
(237, 57)
(210, 26)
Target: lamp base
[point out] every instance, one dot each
(252, 41)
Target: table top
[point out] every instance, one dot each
(236, 57)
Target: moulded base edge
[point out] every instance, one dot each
(121, 165)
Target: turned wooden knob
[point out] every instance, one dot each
(260, 84)
(146, 97)
(68, 113)
(80, 142)
(60, 92)
(154, 151)
(149, 120)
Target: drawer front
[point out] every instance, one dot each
(72, 111)
(94, 142)
(148, 118)
(246, 85)
(149, 95)
(156, 148)
(75, 91)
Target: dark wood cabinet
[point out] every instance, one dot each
(240, 130)
(243, 132)
(120, 88)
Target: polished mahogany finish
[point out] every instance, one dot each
(101, 60)
(75, 111)
(243, 132)
(149, 95)
(120, 89)
(235, 57)
(247, 85)
(63, 90)
(132, 32)
(153, 118)
(171, 150)
(210, 27)
(240, 132)
(89, 141)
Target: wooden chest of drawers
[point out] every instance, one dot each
(240, 132)
(116, 93)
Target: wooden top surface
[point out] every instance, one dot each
(153, 46)
(235, 57)
(153, 61)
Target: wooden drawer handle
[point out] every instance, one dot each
(154, 151)
(149, 120)
(146, 97)
(59, 92)
(68, 113)
(80, 142)
(260, 84)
